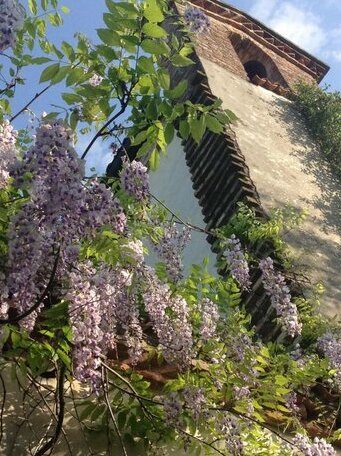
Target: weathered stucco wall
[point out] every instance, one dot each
(285, 167)
(172, 184)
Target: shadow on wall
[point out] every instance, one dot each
(310, 250)
(314, 165)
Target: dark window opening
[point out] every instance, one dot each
(254, 68)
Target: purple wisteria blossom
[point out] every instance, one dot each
(172, 408)
(102, 310)
(170, 248)
(170, 318)
(196, 20)
(291, 402)
(11, 21)
(135, 179)
(229, 427)
(195, 401)
(319, 447)
(8, 152)
(62, 210)
(330, 346)
(236, 261)
(275, 286)
(209, 318)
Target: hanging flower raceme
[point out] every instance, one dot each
(305, 447)
(11, 21)
(60, 212)
(275, 286)
(229, 428)
(8, 152)
(102, 311)
(237, 263)
(196, 20)
(170, 318)
(170, 248)
(135, 179)
(330, 347)
(209, 318)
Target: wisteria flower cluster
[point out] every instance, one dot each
(237, 263)
(196, 20)
(170, 248)
(95, 80)
(209, 318)
(61, 211)
(330, 346)
(11, 21)
(230, 428)
(102, 306)
(319, 447)
(275, 286)
(135, 179)
(170, 317)
(8, 152)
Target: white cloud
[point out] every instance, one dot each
(263, 9)
(295, 23)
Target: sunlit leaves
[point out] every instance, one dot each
(49, 72)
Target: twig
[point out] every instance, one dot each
(106, 397)
(37, 95)
(181, 221)
(100, 132)
(61, 403)
(3, 402)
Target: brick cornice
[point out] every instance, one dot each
(262, 34)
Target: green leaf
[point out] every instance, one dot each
(154, 160)
(164, 78)
(155, 47)
(49, 72)
(68, 51)
(99, 410)
(109, 37)
(40, 60)
(140, 138)
(154, 30)
(65, 9)
(55, 19)
(181, 61)
(71, 98)
(169, 133)
(184, 129)
(32, 4)
(146, 64)
(178, 91)
(64, 358)
(153, 12)
(213, 124)
(63, 71)
(86, 412)
(197, 128)
(76, 75)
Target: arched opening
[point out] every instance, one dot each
(254, 68)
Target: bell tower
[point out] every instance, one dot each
(265, 159)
